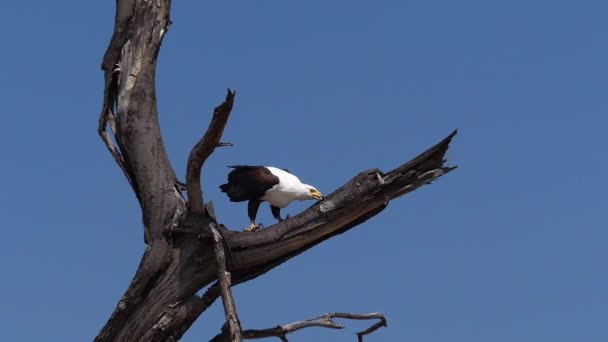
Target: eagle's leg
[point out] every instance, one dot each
(276, 212)
(252, 210)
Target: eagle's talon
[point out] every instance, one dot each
(253, 227)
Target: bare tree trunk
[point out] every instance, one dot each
(187, 249)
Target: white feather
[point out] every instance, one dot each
(290, 188)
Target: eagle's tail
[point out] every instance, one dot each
(233, 192)
(225, 187)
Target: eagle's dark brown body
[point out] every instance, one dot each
(266, 183)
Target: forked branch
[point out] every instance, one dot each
(203, 149)
(325, 321)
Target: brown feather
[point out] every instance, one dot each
(247, 182)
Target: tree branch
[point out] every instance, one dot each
(361, 198)
(203, 149)
(325, 321)
(129, 107)
(232, 317)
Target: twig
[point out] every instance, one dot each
(232, 318)
(203, 149)
(325, 321)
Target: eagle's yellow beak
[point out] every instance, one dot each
(316, 195)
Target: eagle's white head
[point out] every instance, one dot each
(288, 189)
(310, 192)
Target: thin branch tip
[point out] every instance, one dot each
(203, 149)
(449, 138)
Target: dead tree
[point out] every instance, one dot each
(187, 249)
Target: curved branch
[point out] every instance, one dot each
(203, 149)
(129, 66)
(129, 107)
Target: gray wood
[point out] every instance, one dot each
(160, 303)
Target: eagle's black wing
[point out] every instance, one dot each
(247, 182)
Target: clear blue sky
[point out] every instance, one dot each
(510, 247)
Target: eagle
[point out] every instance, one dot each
(266, 183)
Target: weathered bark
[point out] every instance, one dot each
(161, 303)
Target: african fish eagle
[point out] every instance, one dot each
(266, 183)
